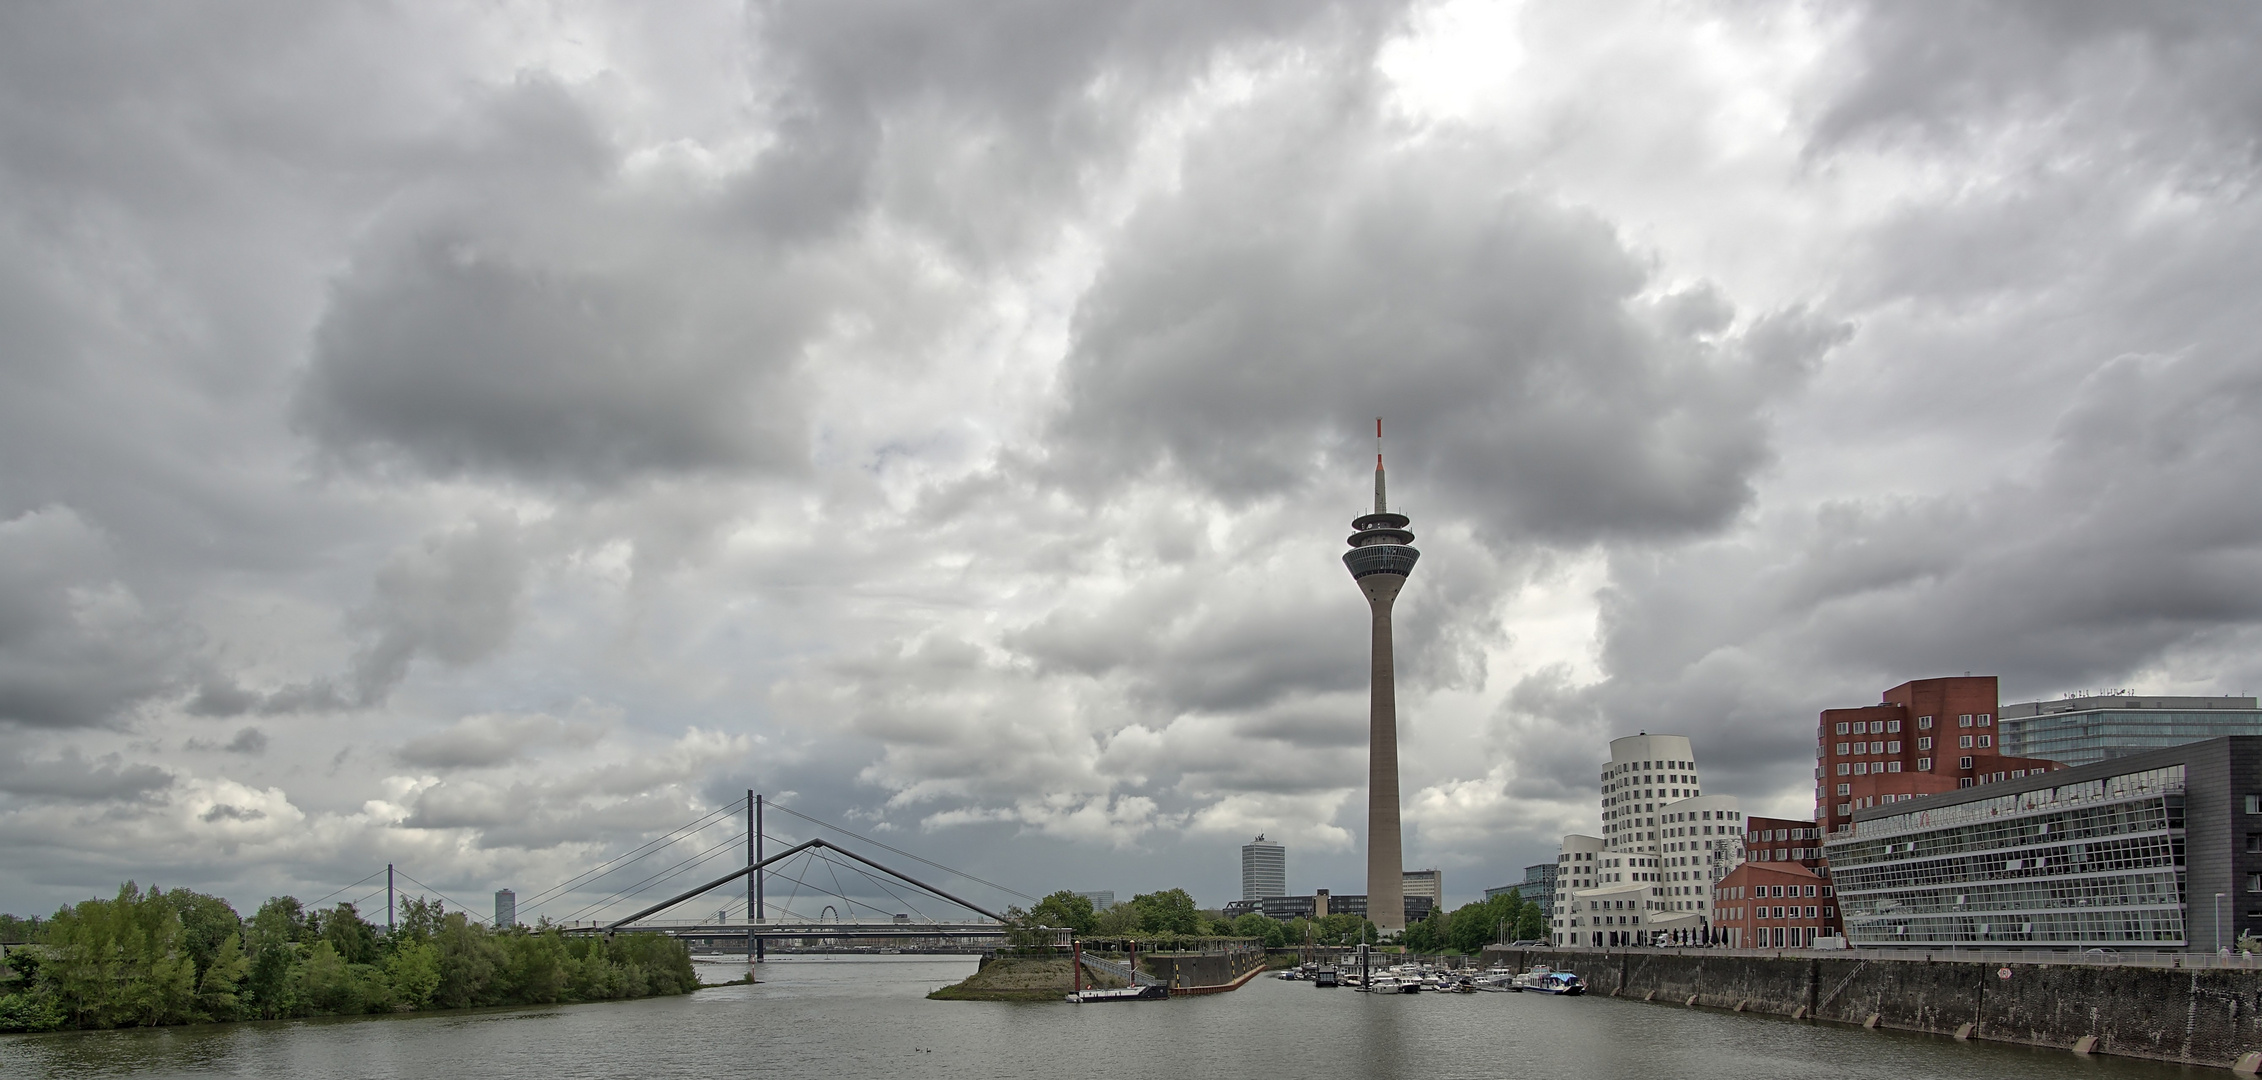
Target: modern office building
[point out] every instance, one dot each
(506, 908)
(1284, 908)
(1538, 887)
(2158, 850)
(1264, 869)
(2091, 728)
(1924, 737)
(1101, 900)
(1429, 883)
(1664, 844)
(1775, 905)
(1380, 559)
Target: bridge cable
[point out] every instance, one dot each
(468, 911)
(668, 872)
(868, 876)
(335, 892)
(608, 865)
(905, 854)
(922, 888)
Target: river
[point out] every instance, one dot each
(866, 1017)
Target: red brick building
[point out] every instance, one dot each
(1774, 905)
(1768, 839)
(1924, 737)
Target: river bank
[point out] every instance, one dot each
(2191, 1016)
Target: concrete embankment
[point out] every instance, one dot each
(1205, 973)
(1021, 978)
(2196, 1016)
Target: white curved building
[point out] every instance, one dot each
(1663, 845)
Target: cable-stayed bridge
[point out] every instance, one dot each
(713, 881)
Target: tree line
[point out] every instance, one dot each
(1171, 913)
(175, 957)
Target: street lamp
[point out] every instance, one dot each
(2219, 924)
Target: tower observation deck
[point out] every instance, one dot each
(1380, 559)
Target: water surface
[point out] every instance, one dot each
(866, 1017)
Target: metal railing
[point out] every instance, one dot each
(1121, 971)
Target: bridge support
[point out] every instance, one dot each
(755, 908)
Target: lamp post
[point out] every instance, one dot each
(2218, 924)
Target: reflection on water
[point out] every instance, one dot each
(866, 1016)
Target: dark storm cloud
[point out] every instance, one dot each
(1310, 275)
(2178, 76)
(77, 647)
(71, 776)
(1022, 102)
(2134, 545)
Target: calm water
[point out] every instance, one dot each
(865, 1017)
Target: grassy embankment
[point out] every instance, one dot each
(1021, 978)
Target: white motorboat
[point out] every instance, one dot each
(1542, 979)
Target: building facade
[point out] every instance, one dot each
(2158, 850)
(506, 908)
(1429, 883)
(1538, 887)
(1380, 560)
(1924, 737)
(1102, 899)
(2092, 728)
(1322, 904)
(1264, 869)
(1775, 905)
(1778, 840)
(1664, 845)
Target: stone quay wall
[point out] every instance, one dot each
(1197, 973)
(2202, 1016)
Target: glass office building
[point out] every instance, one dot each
(2082, 730)
(2147, 851)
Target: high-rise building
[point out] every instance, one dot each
(1264, 869)
(1538, 887)
(506, 908)
(1429, 883)
(1380, 559)
(1101, 900)
(2093, 727)
(1924, 737)
(1664, 845)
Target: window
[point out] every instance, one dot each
(1986, 740)
(1893, 725)
(1924, 764)
(1964, 720)
(1848, 789)
(1965, 763)
(1964, 742)
(1810, 892)
(2254, 883)
(1826, 890)
(1842, 751)
(1986, 719)
(1963, 781)
(1847, 769)
(1924, 742)
(1892, 766)
(2254, 841)
(1861, 727)
(2254, 804)
(1893, 747)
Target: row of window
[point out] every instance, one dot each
(2166, 780)
(1767, 892)
(1923, 723)
(2150, 927)
(1807, 912)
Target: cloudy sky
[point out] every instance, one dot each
(477, 437)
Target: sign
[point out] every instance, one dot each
(2002, 973)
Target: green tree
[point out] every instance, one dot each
(1066, 909)
(1170, 911)
(414, 973)
(355, 940)
(218, 995)
(206, 922)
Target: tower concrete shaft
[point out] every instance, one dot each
(1380, 559)
(1386, 859)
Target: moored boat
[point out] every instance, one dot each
(1542, 979)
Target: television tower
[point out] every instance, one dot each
(1380, 559)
